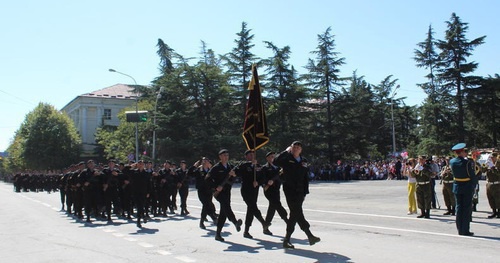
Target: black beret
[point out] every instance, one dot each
(269, 153)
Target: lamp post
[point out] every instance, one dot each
(158, 96)
(136, 111)
(392, 119)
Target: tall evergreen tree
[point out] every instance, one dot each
(455, 49)
(323, 77)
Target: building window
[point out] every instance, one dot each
(107, 114)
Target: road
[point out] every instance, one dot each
(357, 221)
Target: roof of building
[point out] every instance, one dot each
(115, 91)
(118, 91)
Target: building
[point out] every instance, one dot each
(96, 109)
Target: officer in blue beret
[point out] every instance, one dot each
(464, 180)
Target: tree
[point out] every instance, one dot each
(323, 77)
(455, 49)
(47, 139)
(284, 96)
(239, 64)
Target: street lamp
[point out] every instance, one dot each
(136, 111)
(392, 119)
(158, 96)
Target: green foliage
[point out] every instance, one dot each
(47, 139)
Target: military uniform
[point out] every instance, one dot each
(183, 187)
(424, 189)
(449, 197)
(463, 188)
(250, 179)
(493, 186)
(219, 178)
(296, 187)
(271, 172)
(204, 193)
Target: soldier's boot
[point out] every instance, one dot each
(312, 239)
(214, 218)
(494, 214)
(448, 212)
(453, 211)
(246, 234)
(202, 225)
(498, 213)
(428, 213)
(422, 213)
(286, 241)
(474, 207)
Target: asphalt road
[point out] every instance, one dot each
(357, 221)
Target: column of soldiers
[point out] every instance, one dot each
(90, 191)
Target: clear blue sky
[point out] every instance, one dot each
(53, 51)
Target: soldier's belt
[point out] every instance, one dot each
(423, 182)
(462, 179)
(448, 182)
(496, 182)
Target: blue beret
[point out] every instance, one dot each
(459, 146)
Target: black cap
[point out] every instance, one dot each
(269, 153)
(248, 151)
(90, 161)
(111, 161)
(183, 161)
(223, 151)
(81, 163)
(297, 143)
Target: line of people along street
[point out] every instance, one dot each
(137, 191)
(140, 191)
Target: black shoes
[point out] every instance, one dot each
(313, 240)
(468, 234)
(247, 235)
(287, 244)
(219, 238)
(238, 225)
(202, 226)
(267, 232)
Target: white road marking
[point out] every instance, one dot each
(163, 252)
(131, 239)
(107, 230)
(185, 259)
(144, 244)
(400, 230)
(118, 234)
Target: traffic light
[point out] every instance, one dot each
(137, 116)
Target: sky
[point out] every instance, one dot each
(53, 51)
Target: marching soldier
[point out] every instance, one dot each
(183, 186)
(250, 178)
(199, 171)
(220, 179)
(296, 187)
(447, 182)
(493, 185)
(92, 182)
(78, 190)
(111, 188)
(424, 188)
(140, 183)
(272, 187)
(463, 188)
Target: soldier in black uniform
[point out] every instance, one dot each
(140, 183)
(126, 190)
(111, 188)
(183, 186)
(220, 179)
(250, 178)
(296, 187)
(205, 196)
(272, 187)
(77, 190)
(92, 182)
(168, 185)
(154, 195)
